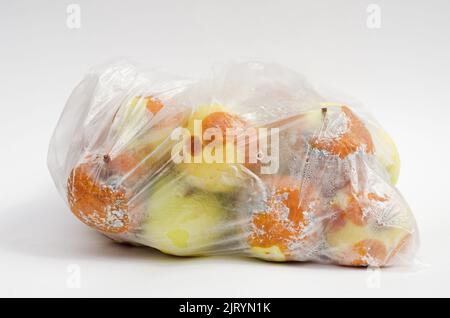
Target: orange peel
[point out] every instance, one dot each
(285, 218)
(352, 139)
(96, 204)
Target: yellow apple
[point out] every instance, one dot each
(386, 152)
(216, 176)
(273, 253)
(363, 233)
(180, 222)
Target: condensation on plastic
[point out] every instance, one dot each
(332, 200)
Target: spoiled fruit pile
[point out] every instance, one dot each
(252, 161)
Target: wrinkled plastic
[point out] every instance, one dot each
(322, 187)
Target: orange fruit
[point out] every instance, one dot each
(353, 210)
(354, 137)
(153, 105)
(95, 203)
(282, 223)
(222, 121)
(131, 161)
(369, 252)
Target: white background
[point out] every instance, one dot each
(399, 71)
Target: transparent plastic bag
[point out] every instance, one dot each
(252, 161)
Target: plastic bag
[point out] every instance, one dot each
(252, 161)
